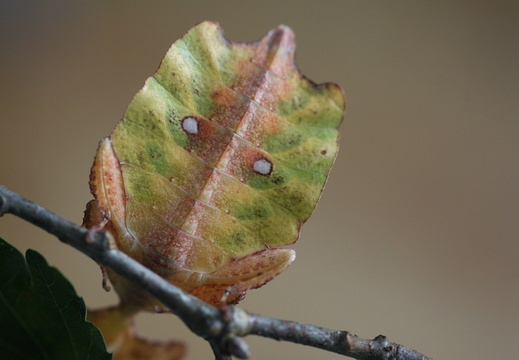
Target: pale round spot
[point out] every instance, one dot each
(190, 125)
(262, 166)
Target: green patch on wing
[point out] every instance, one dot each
(248, 106)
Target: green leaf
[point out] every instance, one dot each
(41, 316)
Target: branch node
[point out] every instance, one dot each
(382, 346)
(239, 320)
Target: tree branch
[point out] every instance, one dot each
(223, 328)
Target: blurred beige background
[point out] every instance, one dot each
(416, 235)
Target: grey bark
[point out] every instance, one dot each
(225, 328)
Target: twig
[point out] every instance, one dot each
(223, 328)
(340, 342)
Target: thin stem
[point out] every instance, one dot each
(223, 328)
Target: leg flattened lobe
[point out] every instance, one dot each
(107, 185)
(229, 283)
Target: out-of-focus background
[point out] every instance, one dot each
(416, 235)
